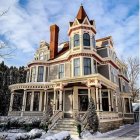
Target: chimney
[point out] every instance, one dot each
(54, 31)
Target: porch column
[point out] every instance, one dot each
(116, 102)
(124, 106)
(60, 100)
(109, 102)
(112, 98)
(89, 93)
(11, 101)
(54, 101)
(40, 101)
(97, 103)
(129, 105)
(100, 93)
(24, 102)
(45, 101)
(32, 101)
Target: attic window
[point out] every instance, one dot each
(105, 43)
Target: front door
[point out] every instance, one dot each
(68, 103)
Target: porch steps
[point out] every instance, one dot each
(65, 124)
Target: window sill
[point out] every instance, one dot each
(76, 48)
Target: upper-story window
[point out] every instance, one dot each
(33, 74)
(27, 76)
(87, 66)
(76, 40)
(61, 71)
(41, 56)
(86, 39)
(77, 67)
(94, 42)
(40, 74)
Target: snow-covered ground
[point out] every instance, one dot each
(128, 132)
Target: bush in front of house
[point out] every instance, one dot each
(92, 118)
(34, 133)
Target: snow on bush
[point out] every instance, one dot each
(59, 136)
(34, 133)
(3, 136)
(22, 136)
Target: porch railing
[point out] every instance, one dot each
(26, 113)
(108, 115)
(54, 119)
(14, 113)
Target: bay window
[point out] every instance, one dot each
(61, 71)
(40, 74)
(87, 66)
(77, 67)
(76, 40)
(94, 42)
(86, 39)
(33, 74)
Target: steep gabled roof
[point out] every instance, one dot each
(81, 14)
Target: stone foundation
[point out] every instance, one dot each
(108, 125)
(128, 121)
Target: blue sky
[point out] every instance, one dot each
(28, 21)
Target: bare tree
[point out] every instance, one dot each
(133, 75)
(6, 51)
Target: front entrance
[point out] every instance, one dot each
(68, 103)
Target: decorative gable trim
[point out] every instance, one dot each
(86, 21)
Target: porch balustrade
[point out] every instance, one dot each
(108, 115)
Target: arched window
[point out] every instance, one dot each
(86, 39)
(94, 42)
(76, 40)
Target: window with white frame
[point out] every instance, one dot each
(61, 71)
(87, 66)
(40, 74)
(33, 74)
(76, 66)
(76, 40)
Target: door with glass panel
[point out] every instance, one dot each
(68, 103)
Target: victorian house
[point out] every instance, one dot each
(65, 79)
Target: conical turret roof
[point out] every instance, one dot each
(81, 14)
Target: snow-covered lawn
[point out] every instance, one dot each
(38, 134)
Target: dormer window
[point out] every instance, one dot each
(76, 40)
(86, 39)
